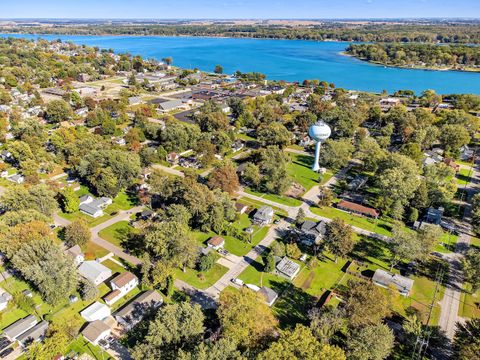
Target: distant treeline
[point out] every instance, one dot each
(419, 55)
(432, 33)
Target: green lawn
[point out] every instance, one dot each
(202, 280)
(281, 199)
(112, 265)
(379, 226)
(463, 177)
(300, 170)
(82, 346)
(323, 277)
(469, 304)
(446, 243)
(258, 204)
(118, 233)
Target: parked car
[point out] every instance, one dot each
(4, 342)
(5, 353)
(238, 282)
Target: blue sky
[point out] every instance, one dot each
(230, 9)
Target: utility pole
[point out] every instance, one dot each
(421, 344)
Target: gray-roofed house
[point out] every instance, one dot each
(270, 295)
(170, 105)
(94, 271)
(75, 252)
(93, 207)
(95, 331)
(288, 268)
(36, 333)
(16, 329)
(312, 232)
(263, 216)
(385, 279)
(16, 178)
(434, 216)
(131, 314)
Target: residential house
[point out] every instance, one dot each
(385, 279)
(83, 77)
(13, 331)
(269, 295)
(94, 271)
(452, 164)
(96, 311)
(263, 216)
(134, 312)
(241, 208)
(466, 154)
(6, 155)
(357, 209)
(95, 331)
(237, 145)
(93, 207)
(75, 252)
(216, 242)
(5, 298)
(312, 232)
(287, 268)
(173, 158)
(134, 100)
(357, 183)
(434, 216)
(121, 285)
(170, 105)
(35, 334)
(17, 178)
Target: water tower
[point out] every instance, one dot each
(319, 132)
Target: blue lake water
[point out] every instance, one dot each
(291, 60)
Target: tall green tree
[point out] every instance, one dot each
(339, 238)
(371, 342)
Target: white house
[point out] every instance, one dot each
(216, 242)
(76, 254)
(94, 271)
(96, 311)
(5, 298)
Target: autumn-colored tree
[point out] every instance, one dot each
(245, 318)
(225, 178)
(77, 233)
(301, 344)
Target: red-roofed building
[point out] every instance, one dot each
(357, 209)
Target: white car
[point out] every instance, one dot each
(238, 282)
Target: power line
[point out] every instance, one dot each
(423, 339)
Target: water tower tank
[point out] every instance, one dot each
(319, 131)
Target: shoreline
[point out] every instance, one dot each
(415, 67)
(211, 36)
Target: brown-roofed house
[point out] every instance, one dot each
(357, 209)
(451, 163)
(112, 297)
(121, 285)
(216, 242)
(95, 331)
